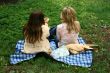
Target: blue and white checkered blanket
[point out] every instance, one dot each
(83, 59)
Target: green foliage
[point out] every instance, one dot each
(95, 23)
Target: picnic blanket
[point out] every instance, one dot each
(83, 59)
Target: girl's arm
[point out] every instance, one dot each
(46, 19)
(45, 30)
(58, 34)
(77, 34)
(78, 25)
(76, 38)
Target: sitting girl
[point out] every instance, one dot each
(68, 30)
(35, 33)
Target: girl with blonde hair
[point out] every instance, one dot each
(68, 30)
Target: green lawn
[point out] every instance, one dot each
(94, 18)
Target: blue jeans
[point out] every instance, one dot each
(53, 35)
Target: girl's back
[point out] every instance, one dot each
(35, 33)
(64, 36)
(39, 46)
(68, 30)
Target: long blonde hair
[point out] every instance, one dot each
(68, 16)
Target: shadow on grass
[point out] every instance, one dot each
(10, 1)
(19, 67)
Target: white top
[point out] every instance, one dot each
(42, 46)
(64, 37)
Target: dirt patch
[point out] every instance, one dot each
(13, 69)
(102, 57)
(101, 33)
(106, 36)
(86, 37)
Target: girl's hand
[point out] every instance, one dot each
(46, 19)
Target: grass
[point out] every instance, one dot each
(95, 23)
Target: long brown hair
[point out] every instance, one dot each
(68, 16)
(32, 30)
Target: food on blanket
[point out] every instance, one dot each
(60, 52)
(49, 51)
(76, 48)
(93, 47)
(73, 51)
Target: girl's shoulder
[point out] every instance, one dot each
(78, 25)
(77, 22)
(45, 27)
(60, 25)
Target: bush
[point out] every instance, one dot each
(8, 1)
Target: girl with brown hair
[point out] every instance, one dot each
(35, 33)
